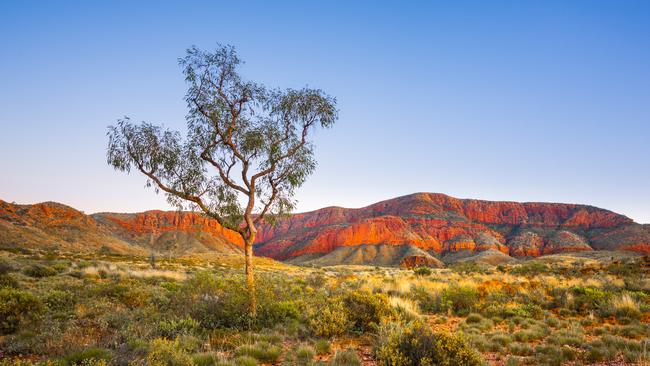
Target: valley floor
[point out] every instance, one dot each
(70, 309)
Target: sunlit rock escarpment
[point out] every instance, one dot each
(421, 228)
(440, 225)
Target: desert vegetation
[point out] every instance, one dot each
(64, 309)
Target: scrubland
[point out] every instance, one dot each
(63, 309)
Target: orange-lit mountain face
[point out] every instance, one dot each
(423, 224)
(441, 224)
(52, 225)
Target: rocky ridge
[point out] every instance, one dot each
(418, 228)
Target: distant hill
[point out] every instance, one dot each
(52, 225)
(443, 225)
(418, 228)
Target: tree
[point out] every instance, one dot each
(246, 151)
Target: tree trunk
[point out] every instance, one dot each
(250, 277)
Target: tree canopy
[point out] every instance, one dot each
(247, 146)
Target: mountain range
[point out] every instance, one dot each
(421, 228)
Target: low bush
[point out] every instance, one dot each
(7, 280)
(345, 358)
(59, 300)
(460, 299)
(588, 298)
(262, 351)
(566, 337)
(163, 352)
(87, 355)
(422, 271)
(322, 347)
(174, 327)
(5, 267)
(245, 361)
(330, 320)
(553, 355)
(468, 267)
(204, 359)
(501, 339)
(365, 309)
(302, 355)
(416, 344)
(279, 312)
(39, 271)
(520, 349)
(530, 269)
(529, 335)
(473, 318)
(623, 307)
(17, 306)
(611, 347)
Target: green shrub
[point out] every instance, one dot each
(589, 298)
(523, 311)
(366, 309)
(273, 338)
(553, 355)
(624, 306)
(330, 320)
(427, 302)
(322, 347)
(346, 358)
(520, 349)
(566, 337)
(611, 347)
(82, 357)
(636, 331)
(7, 280)
(39, 271)
(5, 267)
(279, 312)
(17, 306)
(552, 322)
(174, 327)
(416, 344)
(245, 361)
(468, 267)
(461, 300)
(188, 343)
(60, 266)
(262, 351)
(530, 269)
(502, 339)
(163, 352)
(478, 341)
(422, 271)
(473, 318)
(514, 361)
(528, 335)
(59, 300)
(301, 356)
(204, 359)
(457, 299)
(471, 323)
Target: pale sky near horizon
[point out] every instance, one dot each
(499, 100)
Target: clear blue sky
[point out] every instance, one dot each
(516, 100)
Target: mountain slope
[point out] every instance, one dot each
(172, 231)
(442, 224)
(407, 230)
(52, 225)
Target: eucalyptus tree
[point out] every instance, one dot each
(246, 150)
